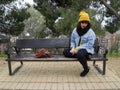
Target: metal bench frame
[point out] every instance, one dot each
(54, 43)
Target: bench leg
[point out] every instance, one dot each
(94, 63)
(16, 69)
(10, 68)
(21, 62)
(104, 67)
(103, 70)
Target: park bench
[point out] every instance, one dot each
(20, 52)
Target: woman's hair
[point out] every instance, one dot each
(79, 23)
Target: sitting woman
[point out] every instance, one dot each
(82, 41)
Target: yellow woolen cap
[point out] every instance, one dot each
(82, 12)
(84, 17)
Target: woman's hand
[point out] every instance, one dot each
(73, 51)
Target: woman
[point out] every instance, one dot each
(82, 41)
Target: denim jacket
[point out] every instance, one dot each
(87, 40)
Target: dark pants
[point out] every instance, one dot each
(82, 56)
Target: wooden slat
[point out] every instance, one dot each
(42, 43)
(31, 57)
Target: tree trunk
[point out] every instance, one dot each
(111, 9)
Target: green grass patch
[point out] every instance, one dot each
(113, 55)
(3, 55)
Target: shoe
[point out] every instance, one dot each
(84, 72)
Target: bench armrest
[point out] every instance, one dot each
(11, 50)
(103, 50)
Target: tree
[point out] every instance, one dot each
(11, 19)
(15, 21)
(113, 10)
(113, 21)
(6, 1)
(34, 26)
(96, 20)
(66, 9)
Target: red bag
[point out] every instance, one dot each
(43, 53)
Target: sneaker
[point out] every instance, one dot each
(84, 72)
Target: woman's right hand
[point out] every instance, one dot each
(72, 51)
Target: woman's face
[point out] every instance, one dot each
(83, 24)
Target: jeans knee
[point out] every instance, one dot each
(79, 55)
(82, 54)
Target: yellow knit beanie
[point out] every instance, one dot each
(82, 12)
(84, 17)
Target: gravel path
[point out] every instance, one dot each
(113, 64)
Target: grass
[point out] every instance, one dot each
(113, 55)
(3, 56)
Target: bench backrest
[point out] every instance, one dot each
(42, 43)
(49, 43)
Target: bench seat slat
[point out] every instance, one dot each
(31, 57)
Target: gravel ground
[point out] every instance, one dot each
(113, 64)
(2, 63)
